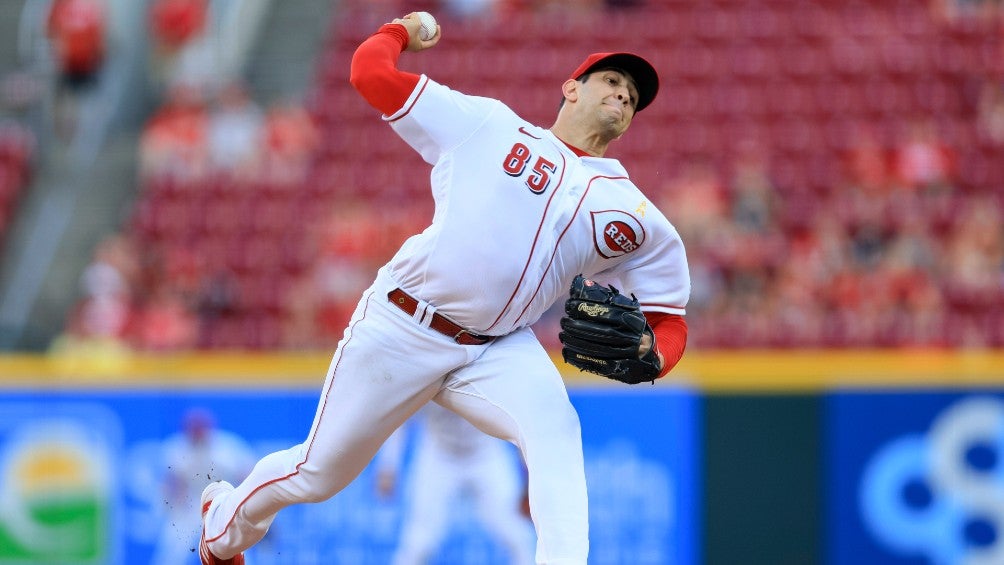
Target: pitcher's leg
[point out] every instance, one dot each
(370, 390)
(513, 391)
(499, 492)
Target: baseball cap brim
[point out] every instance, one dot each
(641, 71)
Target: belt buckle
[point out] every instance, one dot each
(463, 331)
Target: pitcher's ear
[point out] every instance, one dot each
(570, 89)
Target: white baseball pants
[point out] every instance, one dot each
(384, 369)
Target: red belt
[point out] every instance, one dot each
(440, 323)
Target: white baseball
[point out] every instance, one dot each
(428, 29)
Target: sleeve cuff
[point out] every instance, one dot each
(398, 31)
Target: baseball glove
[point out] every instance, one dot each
(601, 333)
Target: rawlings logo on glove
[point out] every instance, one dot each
(592, 310)
(601, 333)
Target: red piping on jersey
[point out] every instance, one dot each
(540, 283)
(413, 102)
(529, 256)
(310, 437)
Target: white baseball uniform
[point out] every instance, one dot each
(518, 214)
(453, 460)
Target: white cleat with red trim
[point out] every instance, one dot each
(208, 494)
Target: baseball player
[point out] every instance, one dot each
(199, 450)
(521, 212)
(453, 459)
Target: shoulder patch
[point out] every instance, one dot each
(616, 233)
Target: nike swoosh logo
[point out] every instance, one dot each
(524, 132)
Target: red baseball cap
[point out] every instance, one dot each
(641, 71)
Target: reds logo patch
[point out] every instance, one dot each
(616, 233)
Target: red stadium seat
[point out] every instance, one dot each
(797, 78)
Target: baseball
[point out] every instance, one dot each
(428, 29)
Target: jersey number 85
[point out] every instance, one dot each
(515, 163)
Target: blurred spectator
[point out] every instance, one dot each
(973, 268)
(101, 320)
(301, 329)
(317, 304)
(871, 271)
(95, 333)
(753, 195)
(180, 52)
(696, 199)
(76, 30)
(114, 270)
(884, 255)
(347, 264)
(346, 248)
(866, 161)
(235, 131)
(796, 298)
(921, 160)
(168, 316)
(990, 111)
(181, 268)
(174, 139)
(911, 289)
(216, 303)
(291, 138)
(165, 322)
(176, 22)
(17, 150)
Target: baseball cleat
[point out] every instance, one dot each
(208, 494)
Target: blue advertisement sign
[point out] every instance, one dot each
(642, 469)
(113, 477)
(915, 478)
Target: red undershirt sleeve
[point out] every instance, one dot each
(670, 337)
(374, 73)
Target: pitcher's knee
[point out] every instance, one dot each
(318, 484)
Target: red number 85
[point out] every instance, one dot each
(515, 163)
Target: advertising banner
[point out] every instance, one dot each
(106, 477)
(915, 477)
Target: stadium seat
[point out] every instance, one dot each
(795, 77)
